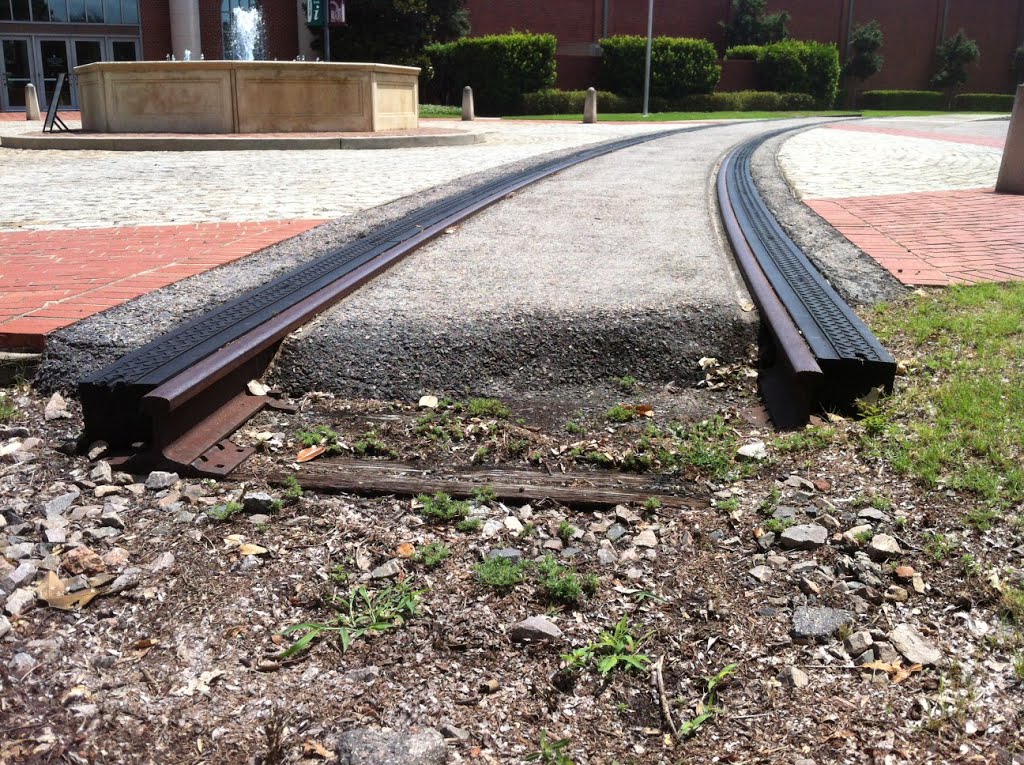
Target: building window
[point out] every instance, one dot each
(76, 11)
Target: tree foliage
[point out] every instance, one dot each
(397, 31)
(751, 24)
(864, 59)
(953, 55)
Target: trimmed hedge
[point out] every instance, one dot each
(680, 66)
(799, 66)
(919, 100)
(571, 102)
(499, 68)
(743, 52)
(983, 102)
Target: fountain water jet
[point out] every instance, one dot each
(246, 35)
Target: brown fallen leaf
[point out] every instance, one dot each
(310, 747)
(54, 592)
(896, 671)
(406, 550)
(310, 453)
(251, 549)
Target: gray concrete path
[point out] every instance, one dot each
(615, 267)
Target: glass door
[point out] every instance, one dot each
(15, 73)
(54, 59)
(86, 52)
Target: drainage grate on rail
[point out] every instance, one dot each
(850, 356)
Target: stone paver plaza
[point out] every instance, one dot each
(81, 231)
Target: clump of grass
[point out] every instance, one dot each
(433, 555)
(938, 546)
(982, 518)
(770, 502)
(292, 489)
(1011, 603)
(813, 437)
(620, 413)
(729, 505)
(488, 407)
(652, 504)
(371, 445)
(485, 495)
(708, 446)
(360, 613)
(439, 110)
(320, 435)
(566, 531)
(441, 508)
(626, 383)
(469, 525)
(777, 525)
(561, 584)
(225, 512)
(499, 573)
(8, 411)
(574, 427)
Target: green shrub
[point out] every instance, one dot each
(743, 52)
(750, 24)
(983, 102)
(865, 60)
(679, 66)
(499, 68)
(952, 57)
(800, 66)
(923, 100)
(571, 102)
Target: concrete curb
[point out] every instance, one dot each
(219, 143)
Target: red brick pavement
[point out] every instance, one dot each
(992, 143)
(50, 279)
(935, 238)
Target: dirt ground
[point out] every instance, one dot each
(177, 655)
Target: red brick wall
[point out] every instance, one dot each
(911, 28)
(281, 23)
(156, 29)
(210, 32)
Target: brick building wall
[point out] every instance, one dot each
(912, 29)
(154, 20)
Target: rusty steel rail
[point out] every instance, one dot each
(173, 402)
(821, 354)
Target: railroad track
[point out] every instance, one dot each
(173, 402)
(824, 355)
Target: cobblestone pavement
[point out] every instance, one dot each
(108, 226)
(99, 189)
(915, 194)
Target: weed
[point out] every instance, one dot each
(292, 489)
(535, 457)
(441, 508)
(613, 650)
(566, 531)
(224, 512)
(320, 435)
(600, 459)
(901, 522)
(1018, 666)
(574, 427)
(360, 613)
(652, 504)
(709, 703)
(881, 503)
(500, 573)
(487, 407)
(863, 537)
(938, 546)
(551, 752)
(769, 503)
(529, 530)
(8, 411)
(560, 584)
(982, 518)
(813, 437)
(730, 505)
(517, 446)
(777, 525)
(338, 574)
(485, 495)
(370, 445)
(619, 413)
(1011, 603)
(627, 383)
(481, 454)
(433, 555)
(708, 445)
(970, 565)
(469, 525)
(277, 737)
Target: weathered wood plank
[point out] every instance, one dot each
(585, 490)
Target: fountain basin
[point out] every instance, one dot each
(247, 97)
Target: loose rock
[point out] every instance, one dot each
(909, 642)
(807, 536)
(815, 623)
(883, 547)
(534, 629)
(361, 746)
(159, 480)
(794, 677)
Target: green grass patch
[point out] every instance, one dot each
(732, 115)
(957, 421)
(433, 555)
(614, 650)
(499, 573)
(811, 438)
(437, 110)
(8, 411)
(440, 508)
(619, 413)
(487, 407)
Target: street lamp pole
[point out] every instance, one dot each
(647, 63)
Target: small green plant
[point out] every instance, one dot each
(730, 505)
(982, 518)
(863, 537)
(529, 529)
(620, 413)
(488, 407)
(517, 446)
(769, 503)
(469, 525)
(8, 411)
(292, 489)
(574, 427)
(499, 573)
(777, 525)
(360, 613)
(881, 503)
(371, 445)
(627, 383)
(652, 504)
(561, 584)
(813, 437)
(613, 650)
(938, 546)
(970, 565)
(441, 508)
(338, 574)
(1018, 667)
(1011, 604)
(276, 505)
(551, 752)
(600, 459)
(566, 531)
(320, 435)
(485, 495)
(433, 555)
(709, 703)
(224, 512)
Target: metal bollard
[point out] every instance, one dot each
(467, 104)
(1011, 169)
(31, 103)
(590, 107)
